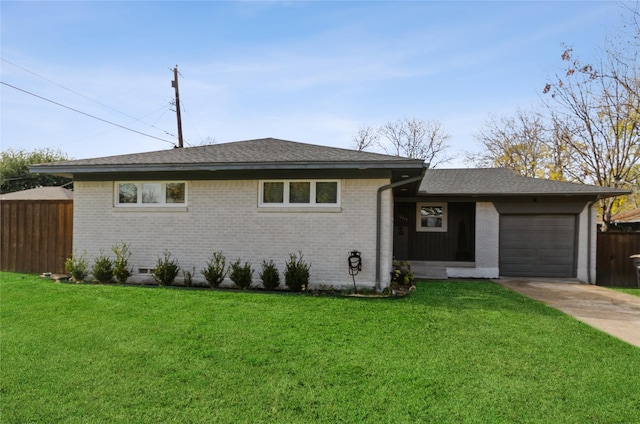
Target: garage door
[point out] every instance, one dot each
(537, 245)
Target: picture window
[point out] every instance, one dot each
(299, 193)
(141, 194)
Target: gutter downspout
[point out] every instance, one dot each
(589, 232)
(379, 215)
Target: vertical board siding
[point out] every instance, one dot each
(36, 235)
(455, 244)
(613, 265)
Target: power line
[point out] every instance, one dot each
(192, 123)
(126, 123)
(86, 114)
(82, 95)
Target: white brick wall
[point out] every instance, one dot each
(587, 258)
(223, 215)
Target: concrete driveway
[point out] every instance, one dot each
(607, 310)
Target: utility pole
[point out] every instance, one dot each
(174, 84)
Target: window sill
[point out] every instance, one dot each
(286, 209)
(150, 209)
(431, 230)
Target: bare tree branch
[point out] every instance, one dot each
(599, 104)
(366, 138)
(416, 138)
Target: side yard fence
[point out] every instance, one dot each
(36, 235)
(613, 266)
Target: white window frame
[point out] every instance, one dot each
(163, 193)
(312, 195)
(442, 228)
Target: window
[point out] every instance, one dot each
(431, 217)
(299, 193)
(326, 192)
(151, 193)
(140, 194)
(273, 192)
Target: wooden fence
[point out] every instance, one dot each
(36, 235)
(613, 266)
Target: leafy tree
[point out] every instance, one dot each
(524, 143)
(14, 169)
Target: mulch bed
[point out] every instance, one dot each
(396, 291)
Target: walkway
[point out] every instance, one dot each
(607, 310)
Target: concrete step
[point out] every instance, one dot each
(429, 271)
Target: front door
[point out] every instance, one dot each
(401, 222)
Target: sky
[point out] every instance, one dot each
(313, 72)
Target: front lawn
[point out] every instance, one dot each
(627, 290)
(450, 352)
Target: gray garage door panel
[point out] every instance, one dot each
(537, 245)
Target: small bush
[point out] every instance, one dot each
(216, 270)
(401, 274)
(270, 276)
(77, 266)
(188, 276)
(296, 273)
(102, 269)
(166, 270)
(241, 274)
(121, 269)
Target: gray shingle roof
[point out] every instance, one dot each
(501, 182)
(267, 153)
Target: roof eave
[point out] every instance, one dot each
(600, 194)
(88, 169)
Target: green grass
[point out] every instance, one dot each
(450, 352)
(627, 290)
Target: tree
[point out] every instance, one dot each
(599, 105)
(601, 114)
(366, 138)
(14, 169)
(411, 138)
(623, 56)
(590, 130)
(524, 143)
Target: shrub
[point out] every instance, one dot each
(269, 275)
(296, 273)
(166, 270)
(121, 269)
(215, 271)
(188, 276)
(241, 274)
(102, 269)
(401, 274)
(77, 266)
